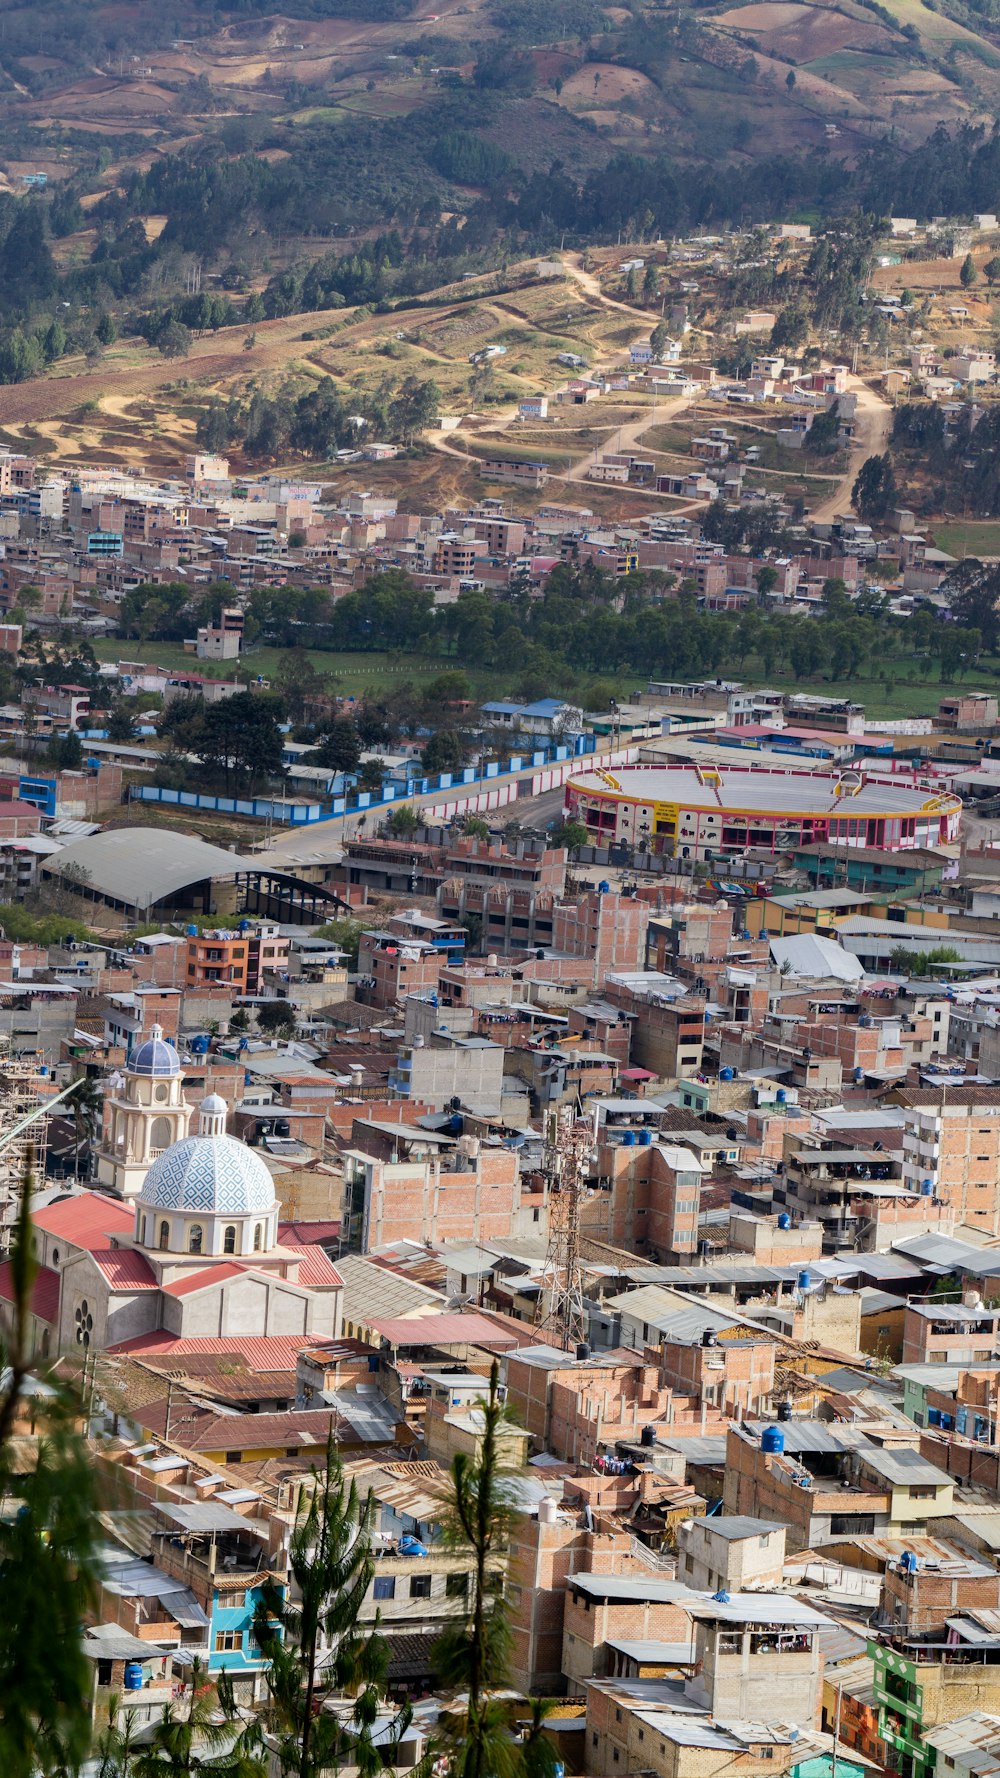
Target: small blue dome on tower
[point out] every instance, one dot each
(156, 1057)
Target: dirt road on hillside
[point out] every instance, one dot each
(874, 417)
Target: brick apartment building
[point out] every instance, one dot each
(544, 1551)
(951, 1137)
(475, 1195)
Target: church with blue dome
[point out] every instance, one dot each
(205, 1258)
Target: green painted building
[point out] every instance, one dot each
(900, 1711)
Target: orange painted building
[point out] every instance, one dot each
(218, 957)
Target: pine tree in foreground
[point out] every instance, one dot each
(48, 1555)
(316, 1644)
(481, 1736)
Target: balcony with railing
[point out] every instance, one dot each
(200, 1561)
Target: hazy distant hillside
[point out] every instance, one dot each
(206, 165)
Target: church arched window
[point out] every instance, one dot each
(195, 1238)
(229, 1238)
(164, 1236)
(258, 1237)
(160, 1134)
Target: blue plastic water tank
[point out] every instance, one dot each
(603, 887)
(772, 1439)
(927, 1188)
(804, 1281)
(628, 1140)
(192, 931)
(645, 1138)
(199, 1045)
(859, 1074)
(781, 1097)
(411, 1546)
(243, 926)
(784, 1220)
(725, 1074)
(134, 1676)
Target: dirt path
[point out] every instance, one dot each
(626, 438)
(874, 422)
(573, 267)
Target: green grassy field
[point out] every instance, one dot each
(973, 539)
(353, 674)
(905, 696)
(937, 30)
(886, 692)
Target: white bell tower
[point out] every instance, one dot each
(144, 1112)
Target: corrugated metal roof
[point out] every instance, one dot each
(143, 865)
(44, 1291)
(685, 1320)
(979, 1628)
(709, 1451)
(817, 1436)
(370, 1416)
(85, 1219)
(204, 1280)
(271, 1352)
(372, 1290)
(936, 1250)
(131, 1578)
(656, 1588)
(109, 1642)
(125, 1269)
(904, 1466)
(758, 1608)
(201, 1516)
(690, 1731)
(459, 1327)
(959, 1313)
(733, 1526)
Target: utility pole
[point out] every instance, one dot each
(569, 1145)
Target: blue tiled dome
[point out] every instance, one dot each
(155, 1057)
(211, 1174)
